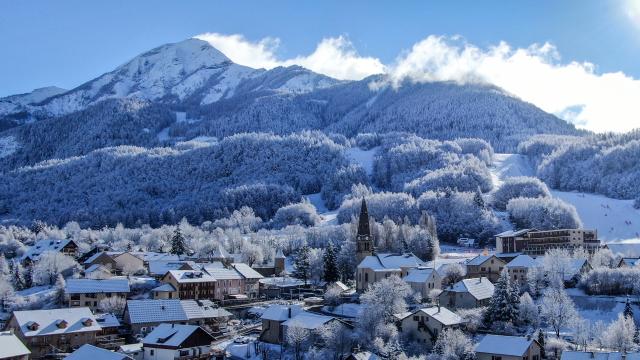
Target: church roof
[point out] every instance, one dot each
(387, 262)
(363, 220)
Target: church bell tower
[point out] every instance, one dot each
(364, 243)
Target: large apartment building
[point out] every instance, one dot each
(536, 242)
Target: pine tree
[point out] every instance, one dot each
(504, 303)
(28, 276)
(178, 245)
(541, 342)
(60, 287)
(303, 264)
(628, 310)
(331, 273)
(478, 200)
(19, 282)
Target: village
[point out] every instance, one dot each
(517, 301)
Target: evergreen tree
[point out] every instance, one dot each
(331, 273)
(478, 200)
(28, 276)
(303, 264)
(504, 303)
(178, 245)
(628, 310)
(541, 342)
(19, 282)
(60, 287)
(38, 226)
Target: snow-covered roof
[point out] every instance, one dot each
(246, 271)
(56, 321)
(161, 267)
(479, 260)
(11, 346)
(130, 348)
(96, 267)
(164, 288)
(591, 355)
(504, 345)
(626, 250)
(419, 275)
(480, 288)
(308, 320)
(512, 233)
(524, 261)
(171, 310)
(223, 273)
(365, 355)
(92, 286)
(170, 335)
(191, 276)
(390, 262)
(278, 312)
(107, 320)
(87, 351)
(442, 314)
(93, 257)
(42, 246)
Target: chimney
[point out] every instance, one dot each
(289, 312)
(173, 325)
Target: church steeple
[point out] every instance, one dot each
(364, 244)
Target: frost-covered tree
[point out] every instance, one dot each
(178, 242)
(113, 305)
(4, 266)
(336, 338)
(303, 213)
(528, 311)
(453, 344)
(18, 279)
(381, 301)
(61, 284)
(331, 272)
(297, 336)
(347, 260)
(251, 253)
(620, 334)
(603, 258)
(543, 213)
(556, 265)
(6, 294)
(557, 309)
(302, 264)
(50, 265)
(332, 295)
(519, 186)
(504, 304)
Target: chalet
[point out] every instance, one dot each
(100, 258)
(376, 267)
(144, 315)
(488, 266)
(128, 262)
(55, 330)
(97, 272)
(191, 284)
(229, 283)
(87, 351)
(628, 262)
(577, 268)
(280, 287)
(251, 279)
(493, 347)
(424, 325)
(519, 267)
(424, 280)
(273, 318)
(175, 341)
(89, 292)
(11, 348)
(66, 247)
(164, 291)
(467, 293)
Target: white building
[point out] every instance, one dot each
(176, 341)
(11, 348)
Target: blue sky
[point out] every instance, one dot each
(66, 43)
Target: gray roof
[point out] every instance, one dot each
(223, 273)
(385, 261)
(420, 275)
(171, 335)
(480, 259)
(11, 346)
(85, 286)
(42, 246)
(47, 321)
(107, 320)
(191, 276)
(164, 288)
(279, 312)
(161, 267)
(87, 351)
(524, 261)
(479, 288)
(308, 320)
(172, 310)
(246, 271)
(504, 345)
(441, 314)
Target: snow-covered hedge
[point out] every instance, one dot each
(543, 213)
(296, 214)
(521, 186)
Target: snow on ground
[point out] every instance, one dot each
(346, 309)
(163, 135)
(614, 219)
(316, 200)
(8, 145)
(362, 157)
(35, 291)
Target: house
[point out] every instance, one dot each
(191, 284)
(110, 337)
(494, 347)
(100, 258)
(97, 271)
(66, 247)
(11, 348)
(129, 263)
(88, 352)
(519, 267)
(175, 341)
(158, 268)
(89, 292)
(537, 242)
(133, 351)
(272, 319)
(380, 266)
(467, 293)
(251, 279)
(312, 322)
(592, 355)
(424, 280)
(144, 315)
(280, 287)
(164, 291)
(577, 268)
(424, 325)
(229, 284)
(488, 266)
(61, 330)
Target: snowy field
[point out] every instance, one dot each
(614, 219)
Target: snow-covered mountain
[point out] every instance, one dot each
(20, 104)
(191, 71)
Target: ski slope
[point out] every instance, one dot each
(614, 219)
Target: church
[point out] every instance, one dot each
(373, 266)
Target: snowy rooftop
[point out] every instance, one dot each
(171, 335)
(170, 310)
(511, 233)
(308, 320)
(388, 262)
(591, 355)
(203, 309)
(107, 320)
(524, 261)
(96, 267)
(191, 276)
(87, 351)
(11, 346)
(504, 345)
(480, 288)
(246, 271)
(161, 267)
(442, 314)
(86, 286)
(130, 348)
(164, 288)
(419, 275)
(43, 246)
(56, 321)
(93, 257)
(478, 260)
(223, 273)
(279, 312)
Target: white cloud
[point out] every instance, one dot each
(335, 57)
(573, 91)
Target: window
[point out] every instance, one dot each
(496, 357)
(151, 352)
